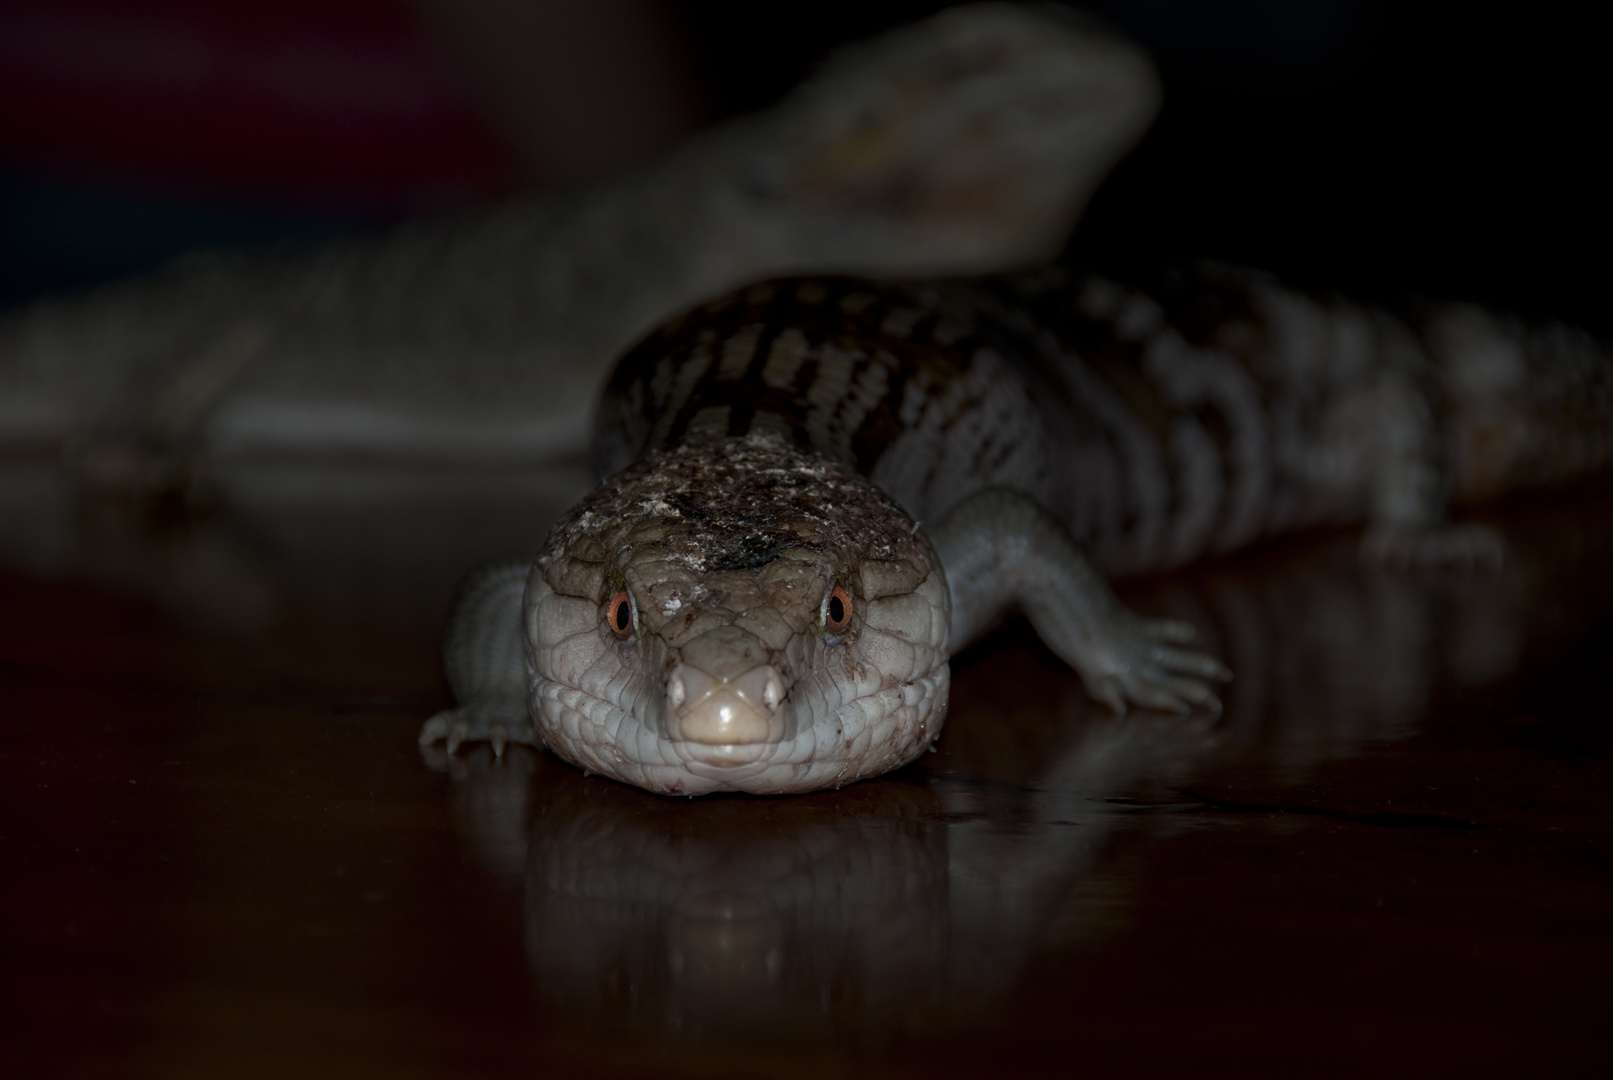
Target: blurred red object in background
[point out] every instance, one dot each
(337, 104)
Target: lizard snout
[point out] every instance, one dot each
(725, 716)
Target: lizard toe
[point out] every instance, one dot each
(1188, 662)
(1153, 692)
(1175, 631)
(435, 730)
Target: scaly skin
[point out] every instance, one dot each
(748, 602)
(728, 550)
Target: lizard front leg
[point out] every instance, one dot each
(484, 654)
(1003, 552)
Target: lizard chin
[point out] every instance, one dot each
(723, 756)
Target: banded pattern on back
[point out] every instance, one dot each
(897, 382)
(1159, 424)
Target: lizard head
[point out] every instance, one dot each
(737, 615)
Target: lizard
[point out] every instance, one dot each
(966, 143)
(814, 491)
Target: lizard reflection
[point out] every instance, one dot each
(915, 902)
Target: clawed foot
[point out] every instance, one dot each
(497, 721)
(1001, 548)
(1138, 660)
(1473, 547)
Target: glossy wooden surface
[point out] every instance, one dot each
(225, 856)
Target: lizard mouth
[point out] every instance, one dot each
(725, 762)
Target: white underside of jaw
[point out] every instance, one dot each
(867, 736)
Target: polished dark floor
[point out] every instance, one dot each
(225, 856)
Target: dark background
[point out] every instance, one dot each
(1381, 147)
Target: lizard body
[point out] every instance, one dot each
(817, 489)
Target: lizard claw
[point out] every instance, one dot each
(1129, 664)
(1110, 692)
(498, 721)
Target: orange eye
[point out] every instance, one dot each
(619, 615)
(837, 610)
